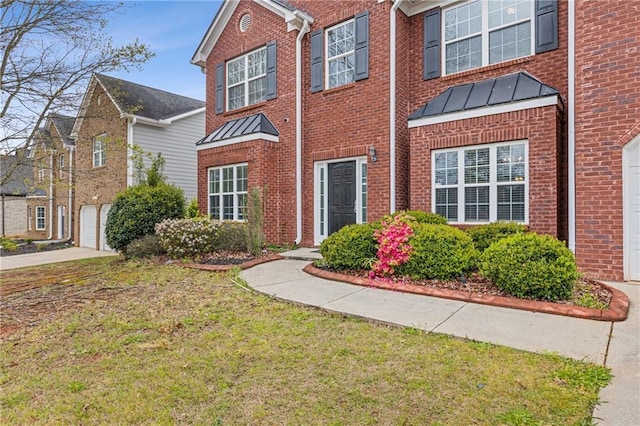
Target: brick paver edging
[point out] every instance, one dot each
(224, 268)
(617, 311)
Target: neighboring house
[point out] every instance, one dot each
(524, 110)
(16, 173)
(50, 198)
(115, 117)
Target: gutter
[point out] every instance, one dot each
(392, 106)
(70, 212)
(571, 155)
(301, 34)
(132, 122)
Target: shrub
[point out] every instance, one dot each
(192, 210)
(393, 247)
(439, 252)
(187, 237)
(147, 246)
(255, 222)
(424, 217)
(531, 266)
(231, 236)
(137, 210)
(485, 235)
(352, 247)
(8, 244)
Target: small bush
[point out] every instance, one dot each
(485, 235)
(136, 211)
(231, 236)
(439, 252)
(8, 244)
(192, 210)
(424, 217)
(187, 237)
(147, 246)
(531, 266)
(255, 221)
(352, 247)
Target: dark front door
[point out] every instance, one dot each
(342, 195)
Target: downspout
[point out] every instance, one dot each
(392, 106)
(130, 151)
(301, 34)
(50, 235)
(571, 157)
(70, 211)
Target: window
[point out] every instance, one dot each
(480, 33)
(247, 79)
(481, 183)
(40, 218)
(99, 152)
(41, 174)
(228, 192)
(29, 218)
(61, 162)
(340, 54)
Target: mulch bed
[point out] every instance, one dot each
(25, 248)
(226, 260)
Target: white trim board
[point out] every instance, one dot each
(238, 139)
(483, 112)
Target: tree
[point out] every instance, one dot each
(50, 49)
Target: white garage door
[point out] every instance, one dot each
(632, 210)
(88, 226)
(104, 210)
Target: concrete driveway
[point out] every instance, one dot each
(52, 256)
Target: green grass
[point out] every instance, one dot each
(172, 345)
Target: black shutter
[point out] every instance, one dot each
(361, 46)
(220, 88)
(546, 25)
(316, 61)
(271, 70)
(431, 56)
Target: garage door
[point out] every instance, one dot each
(88, 226)
(632, 210)
(104, 210)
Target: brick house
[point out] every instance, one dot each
(50, 199)
(479, 110)
(116, 119)
(16, 174)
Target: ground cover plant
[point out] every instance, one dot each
(108, 341)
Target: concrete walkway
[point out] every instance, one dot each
(53, 256)
(616, 345)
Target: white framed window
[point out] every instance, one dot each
(321, 195)
(41, 174)
(40, 218)
(29, 218)
(247, 79)
(482, 183)
(340, 54)
(61, 162)
(479, 33)
(228, 187)
(99, 152)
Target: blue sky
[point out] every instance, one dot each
(172, 30)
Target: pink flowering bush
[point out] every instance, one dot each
(187, 237)
(393, 244)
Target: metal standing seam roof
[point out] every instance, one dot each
(494, 91)
(258, 123)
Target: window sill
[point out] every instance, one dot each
(244, 109)
(333, 90)
(486, 68)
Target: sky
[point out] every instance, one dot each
(172, 30)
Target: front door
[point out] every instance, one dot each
(342, 195)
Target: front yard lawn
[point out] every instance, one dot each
(114, 342)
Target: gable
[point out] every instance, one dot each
(293, 17)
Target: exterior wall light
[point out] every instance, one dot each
(373, 154)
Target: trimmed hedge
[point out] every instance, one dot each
(424, 217)
(485, 235)
(136, 211)
(231, 236)
(147, 246)
(439, 252)
(531, 266)
(352, 247)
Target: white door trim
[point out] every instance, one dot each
(321, 198)
(631, 269)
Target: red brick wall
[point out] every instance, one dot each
(607, 117)
(540, 126)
